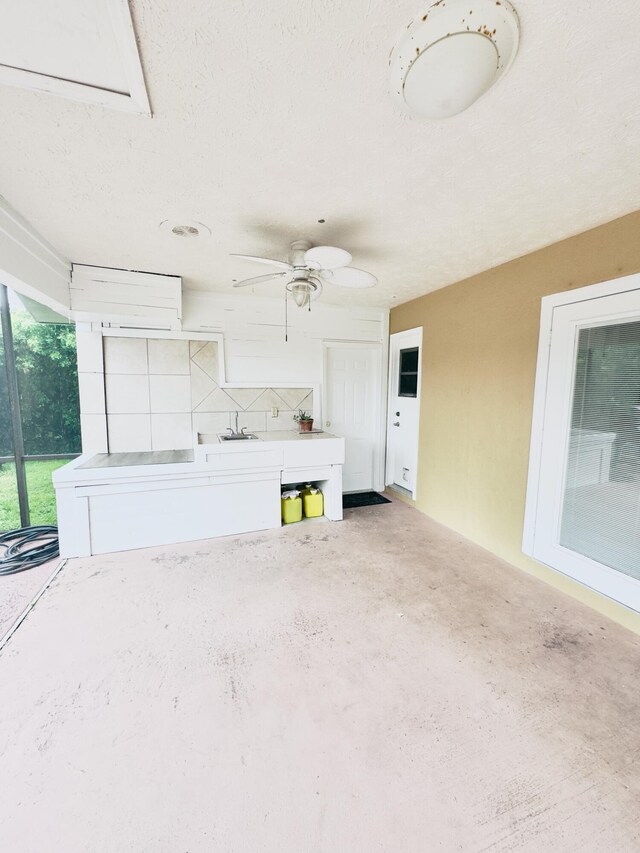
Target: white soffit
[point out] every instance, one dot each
(80, 49)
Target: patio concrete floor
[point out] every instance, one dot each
(17, 591)
(375, 685)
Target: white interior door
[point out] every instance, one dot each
(404, 409)
(352, 408)
(587, 514)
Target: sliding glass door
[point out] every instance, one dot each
(587, 513)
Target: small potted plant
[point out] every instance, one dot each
(305, 421)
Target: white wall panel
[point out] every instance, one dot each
(125, 297)
(254, 334)
(259, 367)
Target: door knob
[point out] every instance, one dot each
(327, 423)
(396, 423)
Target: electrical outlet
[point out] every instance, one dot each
(274, 412)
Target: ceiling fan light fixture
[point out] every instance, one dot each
(452, 55)
(308, 269)
(304, 290)
(301, 293)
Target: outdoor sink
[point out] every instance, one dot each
(238, 436)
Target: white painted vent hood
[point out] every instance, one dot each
(125, 298)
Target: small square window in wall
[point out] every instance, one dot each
(408, 373)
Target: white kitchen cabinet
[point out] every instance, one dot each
(116, 502)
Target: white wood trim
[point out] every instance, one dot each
(548, 304)
(594, 291)
(418, 332)
(165, 334)
(135, 101)
(30, 265)
(384, 404)
(120, 14)
(537, 423)
(553, 399)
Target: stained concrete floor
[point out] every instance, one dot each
(17, 591)
(375, 685)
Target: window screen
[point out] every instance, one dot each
(6, 434)
(601, 503)
(38, 360)
(408, 373)
(46, 366)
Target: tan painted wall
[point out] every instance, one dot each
(478, 373)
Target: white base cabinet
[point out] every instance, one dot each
(229, 489)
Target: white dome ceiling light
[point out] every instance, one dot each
(449, 57)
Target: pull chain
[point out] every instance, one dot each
(286, 316)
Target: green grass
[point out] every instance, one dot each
(42, 498)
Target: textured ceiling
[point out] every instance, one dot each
(271, 116)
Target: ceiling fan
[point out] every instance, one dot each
(308, 268)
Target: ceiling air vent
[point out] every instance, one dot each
(187, 230)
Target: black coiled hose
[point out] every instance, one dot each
(27, 548)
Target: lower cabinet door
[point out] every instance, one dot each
(163, 516)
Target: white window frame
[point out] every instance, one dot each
(613, 584)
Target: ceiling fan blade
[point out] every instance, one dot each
(328, 257)
(280, 264)
(350, 277)
(260, 279)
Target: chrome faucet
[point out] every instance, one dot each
(236, 431)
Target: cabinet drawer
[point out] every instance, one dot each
(310, 454)
(306, 475)
(254, 460)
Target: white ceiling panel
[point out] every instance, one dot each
(69, 39)
(83, 49)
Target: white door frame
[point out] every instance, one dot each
(609, 582)
(399, 336)
(380, 414)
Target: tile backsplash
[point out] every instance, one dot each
(160, 392)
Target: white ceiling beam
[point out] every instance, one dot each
(30, 265)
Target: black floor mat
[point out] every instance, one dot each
(363, 499)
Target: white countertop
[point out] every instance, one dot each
(141, 457)
(293, 435)
(213, 438)
(92, 467)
